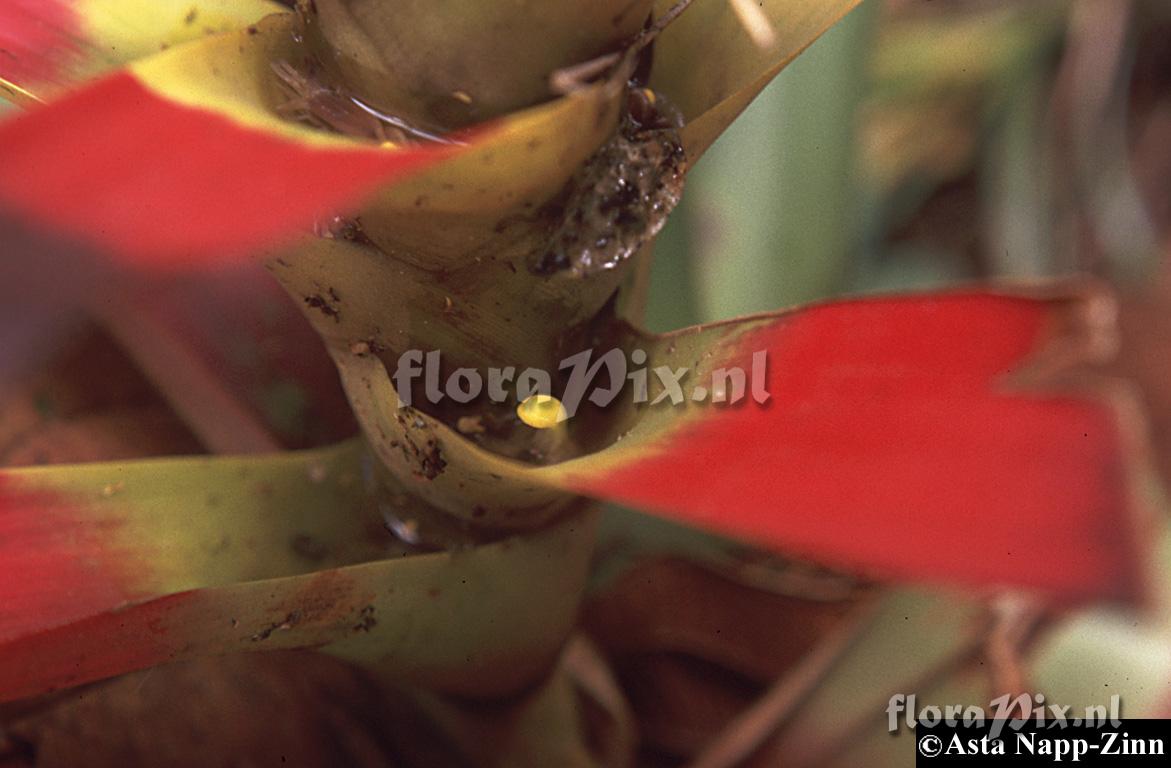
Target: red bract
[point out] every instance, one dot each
(899, 439)
(200, 190)
(54, 571)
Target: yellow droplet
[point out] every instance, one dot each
(650, 95)
(541, 411)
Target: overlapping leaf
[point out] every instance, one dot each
(156, 164)
(113, 567)
(185, 159)
(177, 198)
(904, 437)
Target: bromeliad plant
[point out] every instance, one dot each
(486, 179)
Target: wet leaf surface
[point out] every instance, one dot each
(497, 57)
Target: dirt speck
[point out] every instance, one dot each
(366, 620)
(322, 305)
(290, 621)
(433, 462)
(424, 454)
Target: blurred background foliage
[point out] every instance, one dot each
(922, 144)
